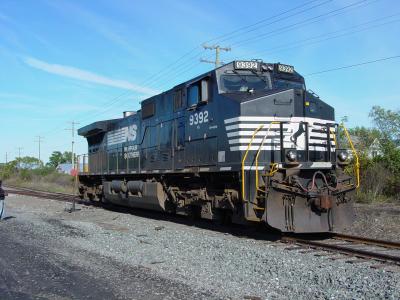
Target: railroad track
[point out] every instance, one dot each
(42, 194)
(386, 252)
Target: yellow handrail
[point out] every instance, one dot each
(357, 165)
(334, 136)
(244, 159)
(259, 150)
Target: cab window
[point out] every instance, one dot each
(193, 95)
(313, 107)
(198, 92)
(243, 83)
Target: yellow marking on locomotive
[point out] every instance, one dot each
(244, 160)
(259, 151)
(353, 149)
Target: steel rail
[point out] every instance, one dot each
(367, 241)
(42, 194)
(366, 254)
(35, 190)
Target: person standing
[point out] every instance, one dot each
(2, 197)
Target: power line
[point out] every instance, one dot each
(249, 26)
(353, 65)
(327, 36)
(304, 22)
(167, 71)
(181, 66)
(314, 19)
(218, 38)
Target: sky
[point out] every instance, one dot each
(84, 61)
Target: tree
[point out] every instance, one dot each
(365, 137)
(28, 162)
(57, 158)
(387, 121)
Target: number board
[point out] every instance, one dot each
(246, 65)
(285, 69)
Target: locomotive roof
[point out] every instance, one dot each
(264, 66)
(104, 126)
(96, 127)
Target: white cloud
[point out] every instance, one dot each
(109, 29)
(88, 76)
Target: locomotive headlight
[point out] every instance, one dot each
(343, 156)
(291, 155)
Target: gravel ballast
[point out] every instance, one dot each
(182, 261)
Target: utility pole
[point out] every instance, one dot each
(72, 129)
(39, 141)
(6, 158)
(217, 49)
(19, 152)
(19, 156)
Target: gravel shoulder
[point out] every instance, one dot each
(47, 253)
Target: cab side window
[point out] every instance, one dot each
(198, 92)
(193, 95)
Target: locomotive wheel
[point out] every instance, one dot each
(91, 197)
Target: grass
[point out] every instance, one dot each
(372, 198)
(52, 182)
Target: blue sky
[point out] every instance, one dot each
(90, 60)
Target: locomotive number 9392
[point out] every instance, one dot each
(198, 118)
(269, 156)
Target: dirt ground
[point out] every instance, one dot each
(378, 221)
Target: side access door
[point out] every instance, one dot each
(201, 142)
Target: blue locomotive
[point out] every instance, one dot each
(245, 142)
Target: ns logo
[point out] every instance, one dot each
(131, 133)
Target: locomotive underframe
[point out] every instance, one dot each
(288, 203)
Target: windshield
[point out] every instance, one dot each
(243, 83)
(284, 84)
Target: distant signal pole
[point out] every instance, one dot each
(217, 62)
(39, 140)
(72, 129)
